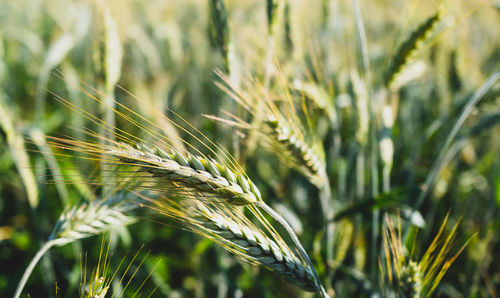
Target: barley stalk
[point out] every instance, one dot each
(261, 249)
(88, 219)
(231, 229)
(81, 221)
(410, 46)
(306, 156)
(203, 175)
(183, 175)
(27, 272)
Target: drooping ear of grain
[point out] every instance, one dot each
(231, 229)
(82, 221)
(203, 175)
(306, 158)
(88, 219)
(174, 172)
(410, 46)
(259, 248)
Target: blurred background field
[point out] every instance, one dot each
(390, 146)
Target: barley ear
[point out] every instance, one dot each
(81, 221)
(230, 228)
(410, 278)
(89, 219)
(306, 157)
(251, 244)
(276, 216)
(189, 172)
(410, 46)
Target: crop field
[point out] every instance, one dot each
(223, 148)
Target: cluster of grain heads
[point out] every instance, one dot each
(182, 176)
(211, 181)
(179, 175)
(81, 221)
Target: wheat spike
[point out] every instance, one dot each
(231, 229)
(81, 221)
(306, 157)
(409, 278)
(88, 219)
(177, 172)
(410, 46)
(261, 249)
(281, 128)
(206, 176)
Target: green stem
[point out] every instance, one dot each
(33, 263)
